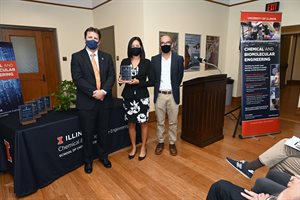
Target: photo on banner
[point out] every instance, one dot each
(10, 87)
(174, 37)
(260, 59)
(192, 52)
(212, 51)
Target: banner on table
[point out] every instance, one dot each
(260, 59)
(10, 88)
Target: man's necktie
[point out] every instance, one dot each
(96, 72)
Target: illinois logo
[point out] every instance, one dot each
(60, 140)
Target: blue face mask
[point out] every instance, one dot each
(91, 44)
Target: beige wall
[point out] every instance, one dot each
(291, 16)
(69, 23)
(145, 18)
(127, 18)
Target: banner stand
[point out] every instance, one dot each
(239, 121)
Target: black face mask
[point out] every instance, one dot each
(166, 48)
(135, 51)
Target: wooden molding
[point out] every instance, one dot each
(70, 6)
(223, 4)
(286, 30)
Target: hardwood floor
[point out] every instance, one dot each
(185, 176)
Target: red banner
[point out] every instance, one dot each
(8, 70)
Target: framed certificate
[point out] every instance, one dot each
(26, 114)
(125, 72)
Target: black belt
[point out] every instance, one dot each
(165, 92)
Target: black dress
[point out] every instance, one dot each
(136, 97)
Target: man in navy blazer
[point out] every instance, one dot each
(94, 76)
(168, 69)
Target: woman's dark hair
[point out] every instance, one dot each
(143, 55)
(92, 29)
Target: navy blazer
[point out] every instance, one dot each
(84, 78)
(177, 69)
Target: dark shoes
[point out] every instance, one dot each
(106, 163)
(159, 148)
(240, 166)
(173, 150)
(131, 156)
(143, 157)
(88, 167)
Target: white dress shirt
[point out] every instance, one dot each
(165, 78)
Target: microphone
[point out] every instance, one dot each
(201, 60)
(204, 61)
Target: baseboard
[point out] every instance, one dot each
(298, 111)
(236, 100)
(293, 82)
(152, 116)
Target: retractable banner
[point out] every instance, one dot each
(10, 89)
(260, 58)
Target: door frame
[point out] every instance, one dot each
(55, 72)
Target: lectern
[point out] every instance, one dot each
(203, 109)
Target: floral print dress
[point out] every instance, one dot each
(136, 110)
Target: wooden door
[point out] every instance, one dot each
(284, 57)
(37, 60)
(108, 45)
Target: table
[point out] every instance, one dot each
(39, 153)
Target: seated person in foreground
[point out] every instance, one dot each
(279, 156)
(286, 189)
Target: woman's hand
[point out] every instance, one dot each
(134, 81)
(120, 81)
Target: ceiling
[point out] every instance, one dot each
(91, 4)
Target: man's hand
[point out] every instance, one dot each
(99, 95)
(253, 196)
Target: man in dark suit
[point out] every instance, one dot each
(168, 69)
(94, 76)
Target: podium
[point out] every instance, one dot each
(203, 109)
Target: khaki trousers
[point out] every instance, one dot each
(165, 104)
(282, 157)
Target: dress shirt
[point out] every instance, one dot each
(165, 79)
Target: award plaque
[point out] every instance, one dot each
(125, 72)
(35, 109)
(26, 114)
(41, 106)
(47, 102)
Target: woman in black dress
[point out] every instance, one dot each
(135, 94)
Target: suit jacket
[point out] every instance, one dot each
(177, 69)
(145, 77)
(84, 78)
